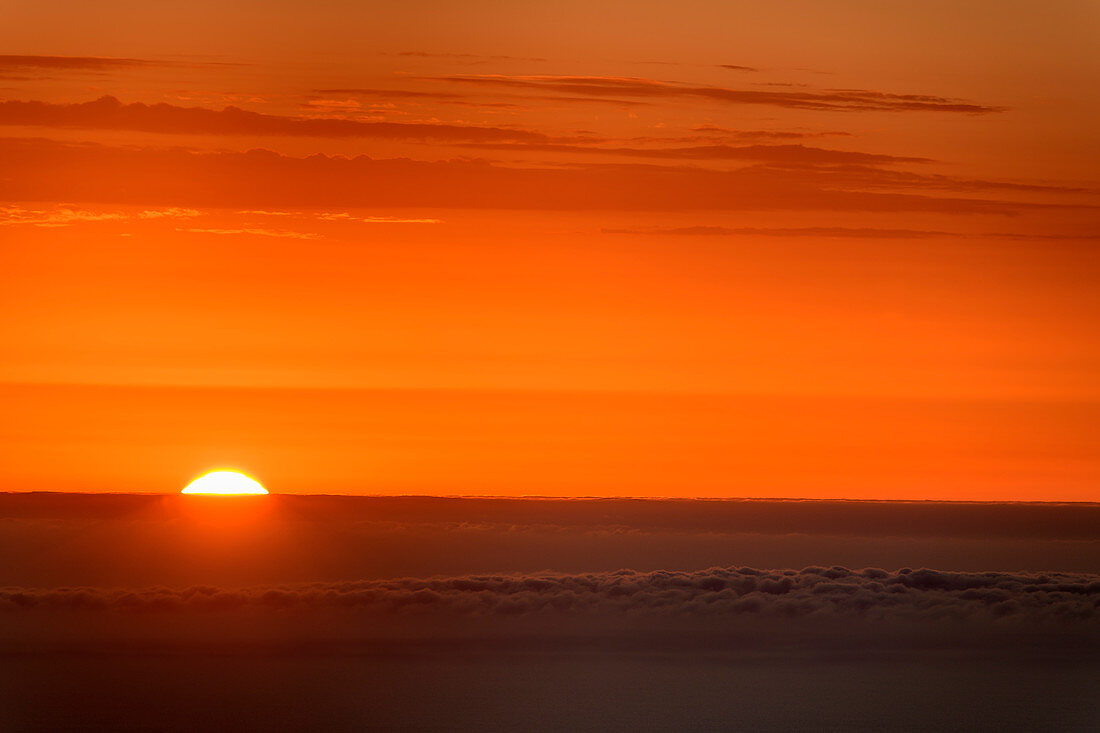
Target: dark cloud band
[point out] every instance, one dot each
(906, 595)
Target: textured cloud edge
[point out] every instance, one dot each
(872, 594)
(729, 612)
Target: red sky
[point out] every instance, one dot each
(836, 250)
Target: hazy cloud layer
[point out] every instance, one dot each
(470, 57)
(40, 170)
(137, 540)
(705, 230)
(854, 174)
(842, 100)
(987, 520)
(108, 113)
(711, 129)
(791, 154)
(394, 93)
(96, 63)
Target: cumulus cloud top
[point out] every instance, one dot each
(905, 595)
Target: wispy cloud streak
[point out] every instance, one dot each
(801, 154)
(108, 113)
(837, 100)
(260, 179)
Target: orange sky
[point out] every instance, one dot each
(654, 249)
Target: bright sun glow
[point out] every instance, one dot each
(224, 482)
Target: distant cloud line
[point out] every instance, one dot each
(837, 232)
(96, 63)
(835, 100)
(42, 170)
(108, 113)
(906, 595)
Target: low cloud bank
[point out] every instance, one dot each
(822, 648)
(906, 595)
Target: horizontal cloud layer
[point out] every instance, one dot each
(108, 113)
(136, 540)
(984, 520)
(798, 154)
(60, 216)
(39, 170)
(705, 230)
(835, 593)
(14, 61)
(817, 648)
(842, 100)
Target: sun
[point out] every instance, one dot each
(225, 483)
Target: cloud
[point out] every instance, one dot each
(774, 134)
(789, 154)
(132, 541)
(467, 99)
(344, 216)
(388, 96)
(721, 231)
(39, 170)
(822, 648)
(466, 56)
(935, 519)
(837, 100)
(907, 596)
(838, 232)
(1023, 236)
(65, 216)
(108, 113)
(277, 233)
(736, 67)
(394, 93)
(94, 63)
(98, 63)
(873, 176)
